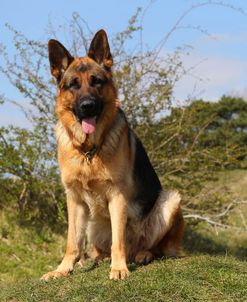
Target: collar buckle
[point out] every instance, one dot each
(90, 154)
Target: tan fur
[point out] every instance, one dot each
(99, 192)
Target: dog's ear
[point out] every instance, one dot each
(99, 49)
(59, 58)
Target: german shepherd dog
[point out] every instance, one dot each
(114, 196)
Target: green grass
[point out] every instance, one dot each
(26, 252)
(198, 278)
(214, 270)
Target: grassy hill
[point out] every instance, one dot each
(214, 269)
(194, 278)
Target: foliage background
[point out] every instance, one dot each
(187, 145)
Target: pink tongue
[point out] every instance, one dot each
(88, 125)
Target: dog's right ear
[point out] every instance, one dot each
(59, 58)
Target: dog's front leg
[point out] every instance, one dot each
(77, 223)
(118, 214)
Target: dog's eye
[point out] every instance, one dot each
(96, 81)
(74, 84)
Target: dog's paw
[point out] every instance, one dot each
(102, 258)
(144, 257)
(117, 274)
(54, 275)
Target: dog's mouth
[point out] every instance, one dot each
(87, 112)
(89, 125)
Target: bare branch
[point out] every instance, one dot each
(211, 222)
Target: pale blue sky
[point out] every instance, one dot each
(224, 66)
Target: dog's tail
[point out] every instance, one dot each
(170, 205)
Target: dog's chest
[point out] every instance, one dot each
(93, 183)
(97, 202)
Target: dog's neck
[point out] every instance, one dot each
(107, 143)
(89, 155)
(103, 143)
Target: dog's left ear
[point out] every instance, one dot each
(99, 49)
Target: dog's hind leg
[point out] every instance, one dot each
(98, 255)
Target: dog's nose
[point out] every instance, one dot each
(88, 106)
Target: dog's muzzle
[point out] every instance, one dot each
(87, 107)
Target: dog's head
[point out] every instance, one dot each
(87, 97)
